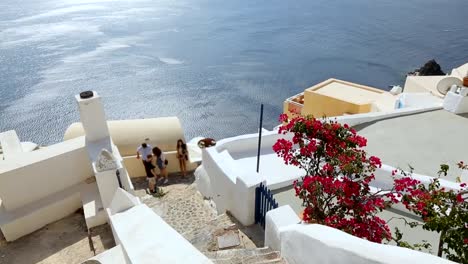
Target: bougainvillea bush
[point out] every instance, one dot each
(335, 189)
(442, 210)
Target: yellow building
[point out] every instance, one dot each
(336, 98)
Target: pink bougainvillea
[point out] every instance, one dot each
(335, 189)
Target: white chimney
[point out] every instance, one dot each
(92, 116)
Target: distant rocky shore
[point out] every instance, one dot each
(431, 68)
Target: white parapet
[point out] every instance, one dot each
(317, 244)
(144, 237)
(127, 135)
(275, 220)
(228, 174)
(43, 172)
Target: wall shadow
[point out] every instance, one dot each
(64, 241)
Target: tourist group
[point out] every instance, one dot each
(153, 158)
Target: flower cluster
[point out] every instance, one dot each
(335, 190)
(442, 210)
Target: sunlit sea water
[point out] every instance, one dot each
(211, 63)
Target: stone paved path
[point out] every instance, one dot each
(184, 208)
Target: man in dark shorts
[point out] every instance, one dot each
(144, 151)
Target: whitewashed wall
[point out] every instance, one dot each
(383, 179)
(127, 135)
(353, 120)
(413, 108)
(144, 237)
(43, 186)
(43, 172)
(317, 244)
(231, 187)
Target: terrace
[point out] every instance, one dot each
(423, 140)
(336, 98)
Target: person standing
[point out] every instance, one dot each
(161, 162)
(144, 151)
(182, 156)
(152, 179)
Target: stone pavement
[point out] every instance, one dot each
(184, 208)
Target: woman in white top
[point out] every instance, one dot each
(161, 163)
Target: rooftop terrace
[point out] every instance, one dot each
(335, 97)
(423, 141)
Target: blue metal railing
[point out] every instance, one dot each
(264, 202)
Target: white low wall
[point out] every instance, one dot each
(23, 221)
(354, 120)
(43, 172)
(383, 179)
(229, 189)
(411, 109)
(231, 186)
(135, 166)
(127, 135)
(312, 243)
(144, 237)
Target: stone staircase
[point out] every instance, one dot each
(246, 256)
(185, 210)
(205, 240)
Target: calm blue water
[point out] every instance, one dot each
(211, 63)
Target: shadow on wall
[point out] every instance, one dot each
(51, 241)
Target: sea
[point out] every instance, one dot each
(211, 63)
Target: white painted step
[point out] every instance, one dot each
(94, 213)
(114, 255)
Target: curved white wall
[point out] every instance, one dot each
(127, 135)
(322, 244)
(231, 186)
(317, 244)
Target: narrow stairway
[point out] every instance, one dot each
(185, 209)
(205, 240)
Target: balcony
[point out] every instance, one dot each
(294, 104)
